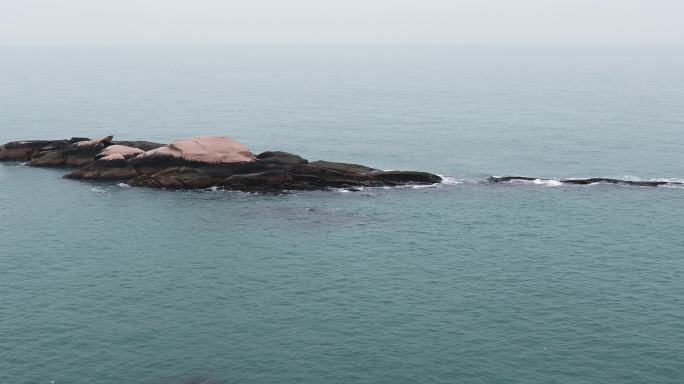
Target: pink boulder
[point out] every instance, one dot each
(204, 149)
(124, 151)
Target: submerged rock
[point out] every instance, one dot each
(587, 181)
(201, 162)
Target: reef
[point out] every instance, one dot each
(586, 181)
(199, 163)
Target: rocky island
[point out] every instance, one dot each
(198, 163)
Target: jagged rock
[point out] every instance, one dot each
(77, 152)
(84, 152)
(201, 162)
(24, 150)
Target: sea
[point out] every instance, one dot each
(465, 281)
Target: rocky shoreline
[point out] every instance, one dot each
(199, 163)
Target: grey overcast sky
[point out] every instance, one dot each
(341, 21)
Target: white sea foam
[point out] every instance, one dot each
(123, 185)
(675, 183)
(623, 181)
(547, 182)
(542, 182)
(446, 180)
(98, 190)
(672, 182)
(669, 180)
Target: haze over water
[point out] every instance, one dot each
(460, 282)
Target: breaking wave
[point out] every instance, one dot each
(629, 181)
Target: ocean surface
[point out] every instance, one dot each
(462, 282)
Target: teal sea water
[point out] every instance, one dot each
(464, 282)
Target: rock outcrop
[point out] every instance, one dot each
(74, 152)
(200, 162)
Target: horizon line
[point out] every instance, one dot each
(377, 43)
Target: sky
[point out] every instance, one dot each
(341, 21)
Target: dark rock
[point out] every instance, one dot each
(596, 180)
(341, 167)
(502, 179)
(183, 178)
(144, 145)
(112, 167)
(322, 173)
(24, 150)
(587, 181)
(144, 181)
(149, 165)
(280, 157)
(169, 179)
(261, 181)
(84, 152)
(75, 152)
(48, 158)
(406, 177)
